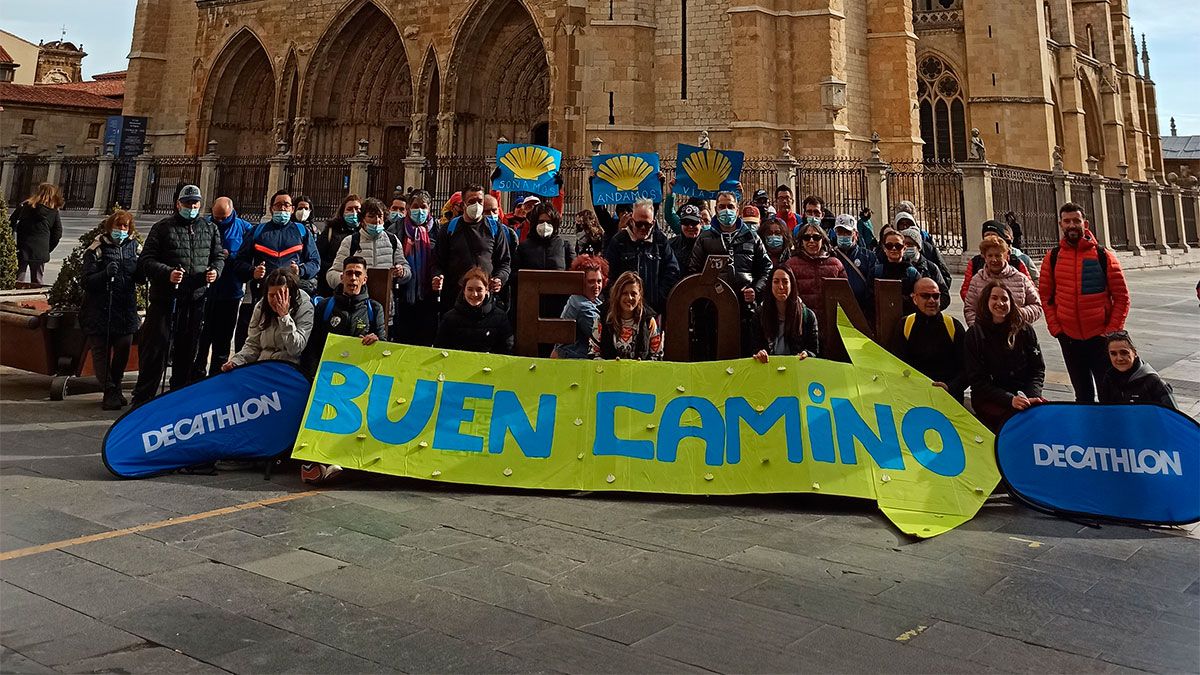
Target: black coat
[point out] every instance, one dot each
(808, 340)
(38, 230)
(652, 259)
(349, 316)
(1140, 384)
(540, 253)
(475, 329)
(462, 245)
(996, 372)
(174, 242)
(328, 243)
(105, 263)
(885, 269)
(930, 349)
(682, 247)
(751, 265)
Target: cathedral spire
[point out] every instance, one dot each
(1145, 58)
(1174, 131)
(1134, 46)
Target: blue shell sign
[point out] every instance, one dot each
(527, 168)
(624, 179)
(1137, 463)
(702, 173)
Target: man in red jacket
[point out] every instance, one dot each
(1085, 297)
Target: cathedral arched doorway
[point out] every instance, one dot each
(240, 123)
(499, 78)
(358, 86)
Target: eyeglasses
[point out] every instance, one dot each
(810, 237)
(929, 296)
(643, 224)
(893, 247)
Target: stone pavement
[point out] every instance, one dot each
(385, 574)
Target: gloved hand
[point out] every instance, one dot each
(112, 269)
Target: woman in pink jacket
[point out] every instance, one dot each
(812, 262)
(995, 253)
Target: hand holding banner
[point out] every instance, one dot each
(624, 179)
(527, 168)
(703, 173)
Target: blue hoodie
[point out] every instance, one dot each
(228, 286)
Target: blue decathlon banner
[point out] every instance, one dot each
(251, 412)
(1136, 463)
(527, 168)
(624, 179)
(703, 173)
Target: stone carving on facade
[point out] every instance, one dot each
(977, 153)
(279, 131)
(300, 135)
(1058, 158)
(704, 140)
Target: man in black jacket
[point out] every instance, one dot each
(467, 241)
(181, 256)
(933, 342)
(644, 248)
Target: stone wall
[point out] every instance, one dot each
(52, 126)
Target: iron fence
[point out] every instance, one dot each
(576, 173)
(443, 176)
(384, 180)
(245, 180)
(841, 183)
(28, 172)
(324, 179)
(1030, 196)
(1114, 200)
(758, 173)
(1083, 194)
(1171, 220)
(78, 181)
(935, 189)
(1190, 229)
(120, 190)
(167, 174)
(1147, 235)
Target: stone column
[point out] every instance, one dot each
(8, 172)
(1131, 221)
(1156, 210)
(785, 165)
(1177, 206)
(1062, 179)
(141, 179)
(104, 178)
(877, 183)
(54, 169)
(277, 178)
(977, 201)
(208, 173)
(1098, 209)
(359, 165)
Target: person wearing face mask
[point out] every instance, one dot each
(995, 252)
(776, 238)
(1130, 379)
(414, 320)
(181, 256)
(927, 248)
(632, 330)
(903, 262)
(643, 248)
(476, 323)
(811, 263)
(1085, 297)
(336, 229)
(397, 209)
(624, 212)
(452, 209)
(589, 236)
(700, 321)
(786, 327)
(302, 213)
(373, 243)
(225, 296)
(689, 232)
(109, 312)
(1004, 363)
(859, 262)
(544, 249)
(468, 241)
(584, 309)
(280, 242)
(747, 275)
(813, 211)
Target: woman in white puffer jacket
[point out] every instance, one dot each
(380, 248)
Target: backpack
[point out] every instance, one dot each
(356, 241)
(453, 225)
(911, 319)
(910, 274)
(1101, 257)
(328, 311)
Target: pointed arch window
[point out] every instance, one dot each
(943, 110)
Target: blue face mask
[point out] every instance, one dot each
(705, 227)
(775, 241)
(845, 241)
(351, 218)
(492, 221)
(419, 216)
(727, 217)
(281, 217)
(189, 212)
(810, 220)
(910, 254)
(374, 230)
(395, 216)
(118, 236)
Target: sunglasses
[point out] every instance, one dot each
(929, 296)
(893, 247)
(643, 224)
(810, 237)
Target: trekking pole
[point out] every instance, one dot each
(112, 277)
(162, 387)
(203, 322)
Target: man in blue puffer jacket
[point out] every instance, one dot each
(224, 296)
(279, 242)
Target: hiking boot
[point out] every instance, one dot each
(112, 401)
(317, 474)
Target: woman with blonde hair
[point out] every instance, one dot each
(631, 330)
(109, 313)
(38, 230)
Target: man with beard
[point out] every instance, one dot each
(1085, 298)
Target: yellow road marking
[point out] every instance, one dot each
(1030, 542)
(101, 536)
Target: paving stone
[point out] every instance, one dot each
(415, 565)
(460, 616)
(223, 586)
(135, 555)
(264, 521)
(433, 652)
(436, 538)
(76, 585)
(953, 570)
(843, 650)
(1176, 571)
(195, 628)
(716, 612)
(696, 543)
(295, 654)
(1016, 656)
(995, 614)
(1121, 645)
(690, 572)
(41, 525)
(952, 639)
(11, 542)
(326, 619)
(835, 606)
(55, 646)
(571, 544)
(234, 547)
(1054, 594)
(28, 613)
(359, 585)
(292, 565)
(629, 627)
(14, 662)
(803, 568)
(600, 580)
(542, 567)
(364, 519)
(571, 651)
(729, 649)
(484, 584)
(565, 608)
(149, 659)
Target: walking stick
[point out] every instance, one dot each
(162, 387)
(108, 337)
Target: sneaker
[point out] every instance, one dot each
(319, 473)
(111, 402)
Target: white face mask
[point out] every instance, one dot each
(545, 229)
(302, 215)
(473, 211)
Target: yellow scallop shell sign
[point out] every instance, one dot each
(528, 162)
(708, 168)
(624, 172)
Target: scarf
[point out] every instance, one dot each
(417, 251)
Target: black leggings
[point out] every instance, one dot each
(109, 360)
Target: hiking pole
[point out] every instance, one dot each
(162, 387)
(112, 278)
(203, 322)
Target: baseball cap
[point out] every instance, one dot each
(189, 193)
(689, 215)
(760, 194)
(846, 222)
(750, 215)
(528, 200)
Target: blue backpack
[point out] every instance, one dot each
(328, 310)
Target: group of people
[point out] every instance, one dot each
(226, 292)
